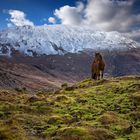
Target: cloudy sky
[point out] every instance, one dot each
(105, 15)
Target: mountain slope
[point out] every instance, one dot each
(60, 39)
(89, 110)
(45, 57)
(27, 76)
(50, 71)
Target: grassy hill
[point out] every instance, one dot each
(90, 110)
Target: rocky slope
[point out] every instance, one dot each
(15, 74)
(89, 110)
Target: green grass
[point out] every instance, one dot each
(89, 110)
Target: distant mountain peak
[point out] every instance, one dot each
(60, 39)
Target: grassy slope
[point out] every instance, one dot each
(90, 110)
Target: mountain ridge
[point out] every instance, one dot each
(58, 39)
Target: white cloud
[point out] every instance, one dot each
(107, 15)
(110, 15)
(134, 35)
(18, 18)
(69, 15)
(52, 20)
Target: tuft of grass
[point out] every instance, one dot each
(62, 98)
(136, 98)
(73, 133)
(102, 134)
(55, 120)
(108, 118)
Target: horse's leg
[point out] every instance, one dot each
(99, 76)
(95, 76)
(102, 74)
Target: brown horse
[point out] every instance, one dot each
(98, 66)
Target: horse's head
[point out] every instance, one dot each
(98, 56)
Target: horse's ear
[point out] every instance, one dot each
(96, 53)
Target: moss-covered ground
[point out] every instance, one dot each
(89, 110)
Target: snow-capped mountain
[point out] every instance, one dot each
(66, 59)
(60, 40)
